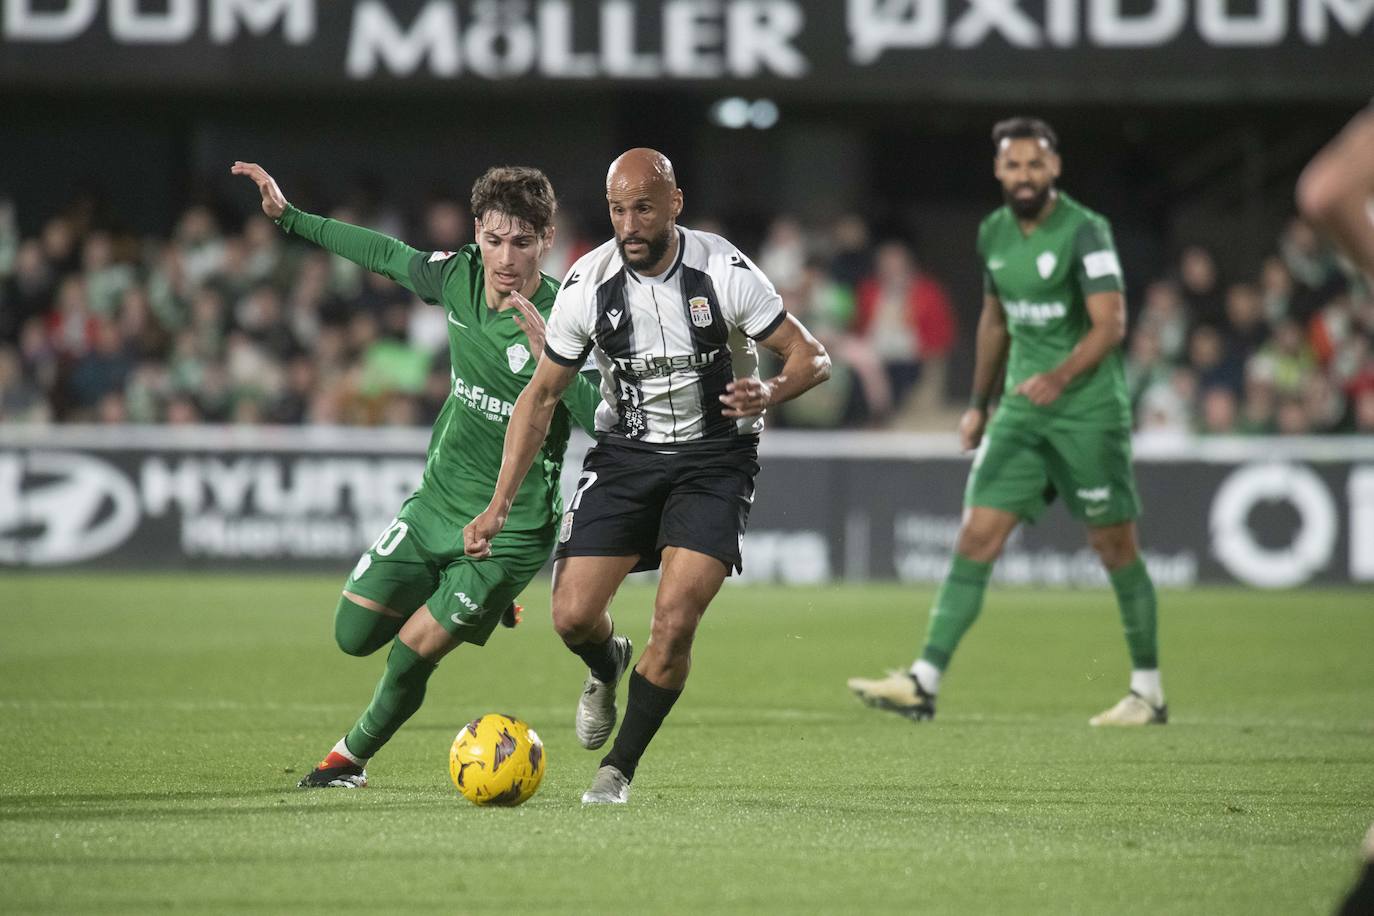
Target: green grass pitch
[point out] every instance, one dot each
(153, 730)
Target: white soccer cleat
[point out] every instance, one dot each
(610, 787)
(898, 692)
(596, 711)
(1132, 710)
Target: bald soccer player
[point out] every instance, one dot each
(673, 317)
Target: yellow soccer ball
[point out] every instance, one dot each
(496, 760)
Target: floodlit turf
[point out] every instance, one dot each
(153, 729)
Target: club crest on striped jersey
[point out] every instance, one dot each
(1046, 264)
(517, 355)
(699, 307)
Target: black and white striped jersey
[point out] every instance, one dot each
(666, 346)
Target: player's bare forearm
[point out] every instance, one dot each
(1335, 191)
(529, 426)
(1108, 313)
(990, 351)
(805, 364)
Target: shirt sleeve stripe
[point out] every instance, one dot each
(771, 326)
(564, 360)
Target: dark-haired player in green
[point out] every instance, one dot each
(414, 588)
(1054, 313)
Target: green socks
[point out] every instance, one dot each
(956, 607)
(361, 631)
(399, 693)
(1135, 595)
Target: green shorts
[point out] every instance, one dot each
(419, 560)
(1023, 462)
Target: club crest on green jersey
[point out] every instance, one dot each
(517, 355)
(1046, 264)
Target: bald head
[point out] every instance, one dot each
(640, 170)
(644, 201)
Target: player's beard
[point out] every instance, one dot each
(655, 249)
(1028, 207)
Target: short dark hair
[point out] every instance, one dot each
(1023, 128)
(519, 191)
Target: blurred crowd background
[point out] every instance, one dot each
(225, 319)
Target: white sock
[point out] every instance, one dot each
(342, 748)
(928, 675)
(1146, 683)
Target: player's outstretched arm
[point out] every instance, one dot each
(990, 356)
(378, 253)
(805, 365)
(1336, 191)
(528, 427)
(1107, 310)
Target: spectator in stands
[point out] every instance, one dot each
(1166, 318)
(1291, 418)
(28, 291)
(105, 277)
(104, 368)
(21, 400)
(850, 255)
(1219, 411)
(447, 224)
(1199, 285)
(783, 257)
(1284, 362)
(1276, 289)
(1215, 365)
(71, 326)
(1245, 330)
(827, 309)
(904, 316)
(1257, 416)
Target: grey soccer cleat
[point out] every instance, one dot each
(610, 787)
(1133, 709)
(899, 692)
(596, 710)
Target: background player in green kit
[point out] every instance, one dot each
(1054, 313)
(414, 588)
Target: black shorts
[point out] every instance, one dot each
(635, 500)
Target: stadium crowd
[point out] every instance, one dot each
(247, 326)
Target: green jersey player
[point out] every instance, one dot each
(414, 588)
(1054, 314)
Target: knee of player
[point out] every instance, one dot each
(1114, 548)
(980, 545)
(571, 624)
(352, 630)
(350, 643)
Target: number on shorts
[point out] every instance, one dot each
(584, 484)
(391, 538)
